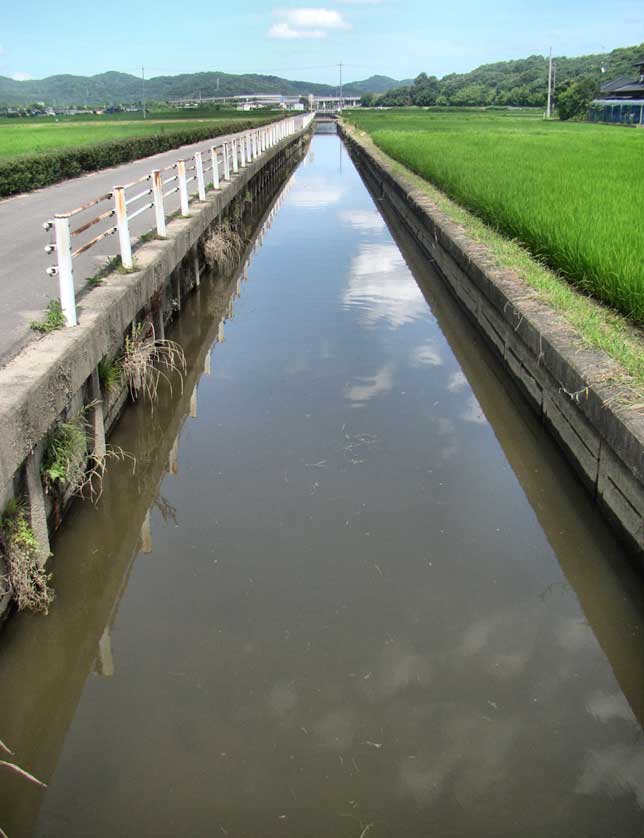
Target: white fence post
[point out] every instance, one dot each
(65, 269)
(249, 148)
(157, 198)
(242, 151)
(183, 187)
(226, 162)
(214, 157)
(122, 226)
(201, 186)
(233, 148)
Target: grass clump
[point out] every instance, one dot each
(223, 249)
(26, 579)
(67, 463)
(64, 459)
(110, 374)
(146, 360)
(55, 319)
(562, 190)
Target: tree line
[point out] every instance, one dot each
(520, 83)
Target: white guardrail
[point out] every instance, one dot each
(125, 203)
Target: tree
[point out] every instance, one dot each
(397, 98)
(367, 100)
(575, 97)
(424, 90)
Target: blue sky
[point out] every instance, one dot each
(399, 38)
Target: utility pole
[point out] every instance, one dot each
(549, 106)
(341, 99)
(143, 89)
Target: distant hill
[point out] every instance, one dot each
(123, 88)
(522, 82)
(374, 84)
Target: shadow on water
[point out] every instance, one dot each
(46, 663)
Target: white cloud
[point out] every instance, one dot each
(366, 221)
(283, 30)
(456, 382)
(473, 412)
(381, 287)
(370, 386)
(314, 193)
(21, 76)
(306, 23)
(426, 355)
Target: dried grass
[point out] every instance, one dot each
(147, 360)
(91, 486)
(223, 249)
(26, 580)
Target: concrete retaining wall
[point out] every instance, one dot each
(566, 383)
(56, 377)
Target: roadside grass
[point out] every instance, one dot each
(568, 192)
(599, 326)
(42, 134)
(54, 319)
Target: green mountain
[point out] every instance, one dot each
(122, 88)
(374, 84)
(521, 83)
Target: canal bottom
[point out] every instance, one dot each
(351, 589)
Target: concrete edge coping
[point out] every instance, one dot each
(37, 384)
(583, 373)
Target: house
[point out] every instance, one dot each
(621, 100)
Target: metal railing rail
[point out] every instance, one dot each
(224, 161)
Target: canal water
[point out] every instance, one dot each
(351, 589)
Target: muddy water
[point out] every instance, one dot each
(351, 589)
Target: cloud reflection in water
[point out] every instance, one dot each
(380, 287)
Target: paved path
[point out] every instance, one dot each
(25, 287)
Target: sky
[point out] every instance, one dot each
(398, 38)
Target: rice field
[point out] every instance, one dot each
(572, 193)
(35, 135)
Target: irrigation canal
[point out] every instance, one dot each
(352, 588)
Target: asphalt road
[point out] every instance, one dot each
(26, 288)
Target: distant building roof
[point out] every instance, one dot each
(629, 89)
(615, 84)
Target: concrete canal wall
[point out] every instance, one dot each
(567, 384)
(57, 378)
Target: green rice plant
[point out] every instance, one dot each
(55, 319)
(565, 191)
(26, 579)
